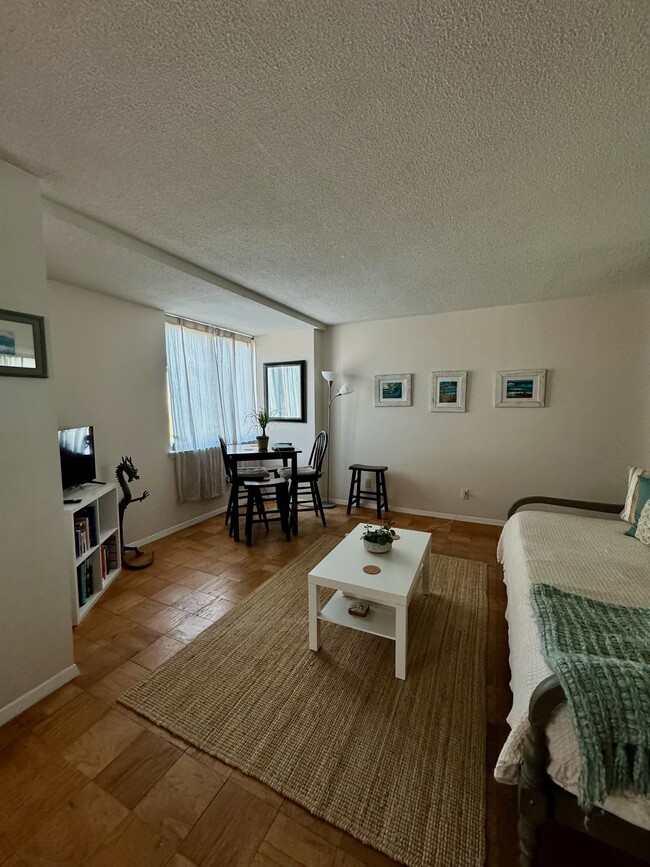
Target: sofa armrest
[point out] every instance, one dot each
(610, 508)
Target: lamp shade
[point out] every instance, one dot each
(346, 389)
(328, 375)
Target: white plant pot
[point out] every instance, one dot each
(376, 548)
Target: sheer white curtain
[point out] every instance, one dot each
(211, 390)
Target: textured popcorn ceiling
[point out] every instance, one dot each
(80, 258)
(353, 160)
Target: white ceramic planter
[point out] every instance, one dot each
(376, 548)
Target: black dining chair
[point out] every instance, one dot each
(239, 497)
(308, 476)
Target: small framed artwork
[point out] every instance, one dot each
(22, 345)
(520, 388)
(448, 390)
(393, 389)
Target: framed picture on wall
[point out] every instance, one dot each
(22, 344)
(393, 389)
(520, 388)
(448, 390)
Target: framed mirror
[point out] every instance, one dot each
(285, 390)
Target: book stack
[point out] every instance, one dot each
(108, 553)
(85, 530)
(85, 581)
(81, 536)
(281, 447)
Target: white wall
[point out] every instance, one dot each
(296, 345)
(109, 366)
(595, 351)
(35, 618)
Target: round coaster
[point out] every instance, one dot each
(371, 570)
(396, 537)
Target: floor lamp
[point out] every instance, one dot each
(328, 376)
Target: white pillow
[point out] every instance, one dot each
(643, 527)
(629, 509)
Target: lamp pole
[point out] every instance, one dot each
(328, 376)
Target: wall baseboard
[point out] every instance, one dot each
(470, 519)
(177, 527)
(168, 532)
(9, 711)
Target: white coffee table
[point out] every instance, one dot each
(388, 593)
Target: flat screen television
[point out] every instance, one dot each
(77, 452)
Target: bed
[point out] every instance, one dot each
(593, 557)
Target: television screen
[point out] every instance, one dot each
(77, 451)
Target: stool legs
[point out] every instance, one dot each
(380, 494)
(250, 500)
(255, 499)
(261, 511)
(383, 484)
(353, 500)
(284, 507)
(378, 491)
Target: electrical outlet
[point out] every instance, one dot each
(368, 484)
(464, 493)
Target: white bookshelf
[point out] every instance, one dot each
(98, 504)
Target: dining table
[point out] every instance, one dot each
(240, 452)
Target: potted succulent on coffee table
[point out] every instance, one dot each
(378, 540)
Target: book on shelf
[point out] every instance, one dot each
(87, 518)
(85, 587)
(103, 554)
(113, 555)
(82, 535)
(81, 583)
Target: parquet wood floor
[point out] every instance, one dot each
(84, 781)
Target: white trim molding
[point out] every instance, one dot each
(9, 711)
(170, 530)
(470, 519)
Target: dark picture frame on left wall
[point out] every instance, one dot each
(22, 345)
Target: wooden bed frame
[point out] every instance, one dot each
(539, 798)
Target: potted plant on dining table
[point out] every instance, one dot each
(262, 418)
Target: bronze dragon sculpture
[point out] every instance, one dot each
(126, 468)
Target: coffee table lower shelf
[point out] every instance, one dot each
(380, 620)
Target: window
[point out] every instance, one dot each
(211, 379)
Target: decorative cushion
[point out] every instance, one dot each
(253, 472)
(642, 497)
(643, 525)
(285, 472)
(629, 509)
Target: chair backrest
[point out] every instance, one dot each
(318, 451)
(226, 460)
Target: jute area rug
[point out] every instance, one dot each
(398, 764)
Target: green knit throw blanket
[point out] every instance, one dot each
(601, 655)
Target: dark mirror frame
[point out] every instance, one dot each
(302, 366)
(37, 324)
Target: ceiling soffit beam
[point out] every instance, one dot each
(136, 245)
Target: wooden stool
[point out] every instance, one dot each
(379, 495)
(254, 498)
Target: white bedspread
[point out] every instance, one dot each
(589, 556)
